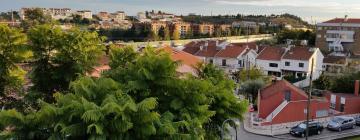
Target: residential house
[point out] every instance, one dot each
(282, 102)
(104, 16)
(335, 64)
(118, 16)
(187, 61)
(55, 13)
(230, 56)
(344, 103)
(291, 61)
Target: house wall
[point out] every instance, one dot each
(264, 65)
(351, 103)
(294, 65)
(294, 111)
(268, 105)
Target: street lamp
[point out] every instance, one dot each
(222, 128)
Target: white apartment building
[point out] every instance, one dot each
(339, 36)
(118, 16)
(85, 14)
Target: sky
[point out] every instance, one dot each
(310, 10)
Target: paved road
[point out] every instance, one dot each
(325, 135)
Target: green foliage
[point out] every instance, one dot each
(120, 57)
(251, 74)
(323, 82)
(12, 51)
(250, 88)
(297, 36)
(35, 17)
(61, 56)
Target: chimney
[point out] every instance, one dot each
(356, 92)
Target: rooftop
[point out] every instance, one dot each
(299, 53)
(271, 53)
(343, 20)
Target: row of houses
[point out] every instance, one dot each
(58, 13)
(296, 61)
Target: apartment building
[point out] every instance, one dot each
(183, 28)
(118, 16)
(290, 61)
(339, 37)
(103, 16)
(55, 13)
(85, 14)
(203, 29)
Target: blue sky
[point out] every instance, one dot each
(319, 10)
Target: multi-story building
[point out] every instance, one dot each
(203, 29)
(55, 13)
(183, 28)
(339, 37)
(141, 16)
(85, 14)
(291, 61)
(118, 16)
(104, 16)
(157, 25)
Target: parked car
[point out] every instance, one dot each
(357, 120)
(315, 128)
(340, 123)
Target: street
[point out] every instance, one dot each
(325, 135)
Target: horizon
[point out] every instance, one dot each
(316, 12)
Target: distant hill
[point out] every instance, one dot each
(228, 19)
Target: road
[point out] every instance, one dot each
(325, 135)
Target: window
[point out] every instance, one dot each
(301, 65)
(240, 63)
(224, 62)
(322, 113)
(273, 65)
(288, 95)
(287, 63)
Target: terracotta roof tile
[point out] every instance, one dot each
(342, 20)
(279, 86)
(271, 53)
(298, 53)
(182, 56)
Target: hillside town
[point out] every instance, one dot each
(77, 74)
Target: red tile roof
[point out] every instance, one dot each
(271, 53)
(183, 57)
(299, 53)
(342, 20)
(279, 86)
(231, 51)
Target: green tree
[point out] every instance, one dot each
(251, 74)
(12, 51)
(95, 109)
(167, 34)
(251, 87)
(323, 82)
(121, 57)
(61, 56)
(176, 35)
(35, 17)
(153, 36)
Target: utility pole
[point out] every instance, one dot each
(308, 101)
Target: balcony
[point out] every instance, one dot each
(344, 36)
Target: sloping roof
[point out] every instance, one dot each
(279, 86)
(184, 57)
(271, 53)
(210, 50)
(299, 53)
(231, 51)
(335, 60)
(342, 20)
